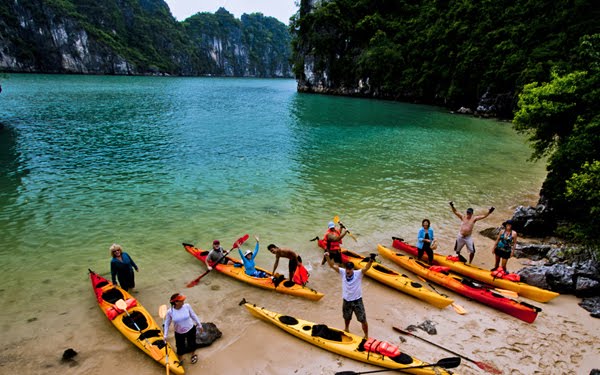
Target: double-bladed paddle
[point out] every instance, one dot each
(154, 351)
(336, 219)
(484, 366)
(458, 308)
(450, 362)
(162, 312)
(236, 244)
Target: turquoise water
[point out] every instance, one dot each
(151, 162)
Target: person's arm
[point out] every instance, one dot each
(331, 264)
(255, 249)
(332, 237)
(195, 318)
(481, 217)
(514, 245)
(206, 260)
(276, 263)
(113, 272)
(454, 210)
(496, 243)
(241, 254)
(133, 263)
(368, 266)
(420, 235)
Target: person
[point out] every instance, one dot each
(505, 245)
(285, 253)
(333, 242)
(352, 292)
(216, 254)
(466, 229)
(183, 317)
(248, 260)
(425, 240)
(121, 267)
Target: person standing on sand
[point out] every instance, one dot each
(183, 317)
(121, 267)
(285, 253)
(466, 229)
(352, 292)
(505, 245)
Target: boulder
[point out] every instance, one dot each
(491, 233)
(561, 278)
(465, 111)
(535, 276)
(532, 251)
(586, 287)
(208, 336)
(592, 305)
(533, 221)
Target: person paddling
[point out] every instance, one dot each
(352, 292)
(216, 254)
(466, 229)
(333, 242)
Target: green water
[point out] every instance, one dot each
(150, 162)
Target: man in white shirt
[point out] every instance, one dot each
(352, 292)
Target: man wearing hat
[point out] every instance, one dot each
(216, 255)
(466, 229)
(333, 242)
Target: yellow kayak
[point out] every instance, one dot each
(483, 275)
(398, 281)
(285, 287)
(342, 343)
(149, 338)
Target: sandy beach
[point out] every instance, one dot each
(563, 340)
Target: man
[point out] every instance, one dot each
(332, 241)
(216, 254)
(352, 292)
(466, 229)
(285, 253)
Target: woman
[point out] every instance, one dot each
(505, 245)
(425, 240)
(121, 267)
(183, 318)
(248, 260)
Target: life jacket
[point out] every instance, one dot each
(113, 311)
(500, 274)
(439, 268)
(332, 245)
(381, 347)
(301, 275)
(453, 258)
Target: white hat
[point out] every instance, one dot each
(247, 252)
(331, 225)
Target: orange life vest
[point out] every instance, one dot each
(332, 245)
(381, 347)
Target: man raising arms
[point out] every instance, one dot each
(466, 229)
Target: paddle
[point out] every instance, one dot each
(336, 219)
(458, 308)
(162, 312)
(450, 362)
(484, 366)
(236, 244)
(154, 351)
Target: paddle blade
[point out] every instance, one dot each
(459, 309)
(336, 219)
(347, 373)
(197, 280)
(122, 305)
(162, 311)
(450, 362)
(155, 352)
(507, 293)
(489, 368)
(240, 241)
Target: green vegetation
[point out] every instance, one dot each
(545, 54)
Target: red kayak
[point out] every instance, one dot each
(480, 274)
(463, 285)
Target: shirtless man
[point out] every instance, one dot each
(466, 229)
(285, 253)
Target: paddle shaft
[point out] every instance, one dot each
(236, 244)
(337, 220)
(122, 305)
(162, 312)
(479, 364)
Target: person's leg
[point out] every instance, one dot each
(191, 346)
(430, 256)
(419, 253)
(180, 343)
(347, 314)
(361, 316)
(504, 260)
(292, 268)
(497, 262)
(470, 247)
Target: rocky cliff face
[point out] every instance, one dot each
(138, 37)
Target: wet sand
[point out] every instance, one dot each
(564, 339)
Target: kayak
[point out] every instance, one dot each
(483, 275)
(150, 336)
(397, 281)
(464, 286)
(341, 342)
(237, 272)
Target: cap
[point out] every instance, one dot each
(509, 222)
(349, 266)
(216, 242)
(331, 225)
(247, 252)
(469, 210)
(177, 297)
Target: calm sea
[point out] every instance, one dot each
(150, 162)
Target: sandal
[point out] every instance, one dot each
(194, 358)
